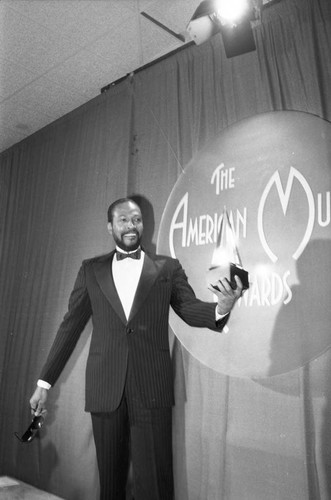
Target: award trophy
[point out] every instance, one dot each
(226, 261)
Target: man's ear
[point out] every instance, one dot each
(110, 228)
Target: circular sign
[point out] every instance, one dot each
(272, 172)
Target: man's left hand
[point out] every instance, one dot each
(226, 295)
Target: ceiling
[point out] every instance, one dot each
(55, 55)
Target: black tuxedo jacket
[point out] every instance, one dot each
(142, 340)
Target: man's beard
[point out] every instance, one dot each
(123, 246)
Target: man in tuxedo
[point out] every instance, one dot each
(129, 385)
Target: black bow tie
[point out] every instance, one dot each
(132, 255)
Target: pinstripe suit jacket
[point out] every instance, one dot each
(141, 340)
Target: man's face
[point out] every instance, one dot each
(126, 226)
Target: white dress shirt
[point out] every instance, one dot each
(126, 275)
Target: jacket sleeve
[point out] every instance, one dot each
(74, 322)
(193, 311)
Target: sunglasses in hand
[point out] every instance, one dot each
(32, 430)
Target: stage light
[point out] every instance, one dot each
(230, 17)
(231, 11)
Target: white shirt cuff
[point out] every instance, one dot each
(43, 384)
(219, 316)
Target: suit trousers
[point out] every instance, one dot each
(146, 434)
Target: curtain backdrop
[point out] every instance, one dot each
(234, 438)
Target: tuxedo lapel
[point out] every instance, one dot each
(104, 277)
(149, 273)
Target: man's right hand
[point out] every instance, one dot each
(38, 401)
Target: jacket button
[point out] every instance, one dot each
(129, 330)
